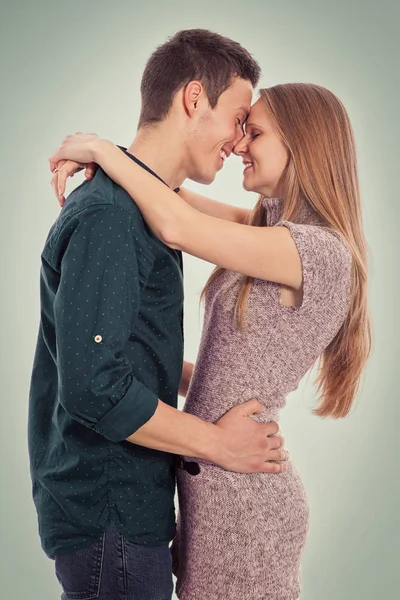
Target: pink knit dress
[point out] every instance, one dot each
(241, 536)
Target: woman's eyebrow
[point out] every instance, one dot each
(250, 124)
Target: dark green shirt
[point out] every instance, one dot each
(110, 344)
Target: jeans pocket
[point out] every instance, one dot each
(148, 571)
(79, 572)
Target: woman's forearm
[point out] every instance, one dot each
(187, 373)
(213, 208)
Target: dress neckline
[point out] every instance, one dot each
(274, 210)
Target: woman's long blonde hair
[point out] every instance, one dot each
(322, 170)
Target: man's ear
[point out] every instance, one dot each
(193, 94)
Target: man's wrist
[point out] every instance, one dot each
(211, 444)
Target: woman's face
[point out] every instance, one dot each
(264, 155)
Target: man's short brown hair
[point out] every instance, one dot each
(192, 54)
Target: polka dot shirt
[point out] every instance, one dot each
(110, 344)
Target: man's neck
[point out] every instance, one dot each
(162, 152)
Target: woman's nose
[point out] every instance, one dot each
(241, 146)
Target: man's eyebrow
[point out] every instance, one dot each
(245, 110)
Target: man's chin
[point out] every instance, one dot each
(205, 178)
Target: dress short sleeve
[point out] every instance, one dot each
(326, 262)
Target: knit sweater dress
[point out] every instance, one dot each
(241, 536)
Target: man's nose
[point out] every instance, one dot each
(240, 146)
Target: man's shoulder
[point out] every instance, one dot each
(100, 191)
(100, 194)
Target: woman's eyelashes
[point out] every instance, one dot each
(253, 134)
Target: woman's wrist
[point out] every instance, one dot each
(101, 149)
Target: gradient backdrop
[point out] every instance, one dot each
(70, 66)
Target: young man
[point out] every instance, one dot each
(103, 425)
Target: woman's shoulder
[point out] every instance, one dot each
(326, 261)
(338, 246)
(322, 239)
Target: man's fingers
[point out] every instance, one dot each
(271, 467)
(272, 428)
(276, 441)
(278, 455)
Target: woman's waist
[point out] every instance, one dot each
(212, 406)
(199, 476)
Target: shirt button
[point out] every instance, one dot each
(98, 339)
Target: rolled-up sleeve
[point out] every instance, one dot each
(103, 269)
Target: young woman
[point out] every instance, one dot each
(290, 287)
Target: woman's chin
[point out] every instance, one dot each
(247, 185)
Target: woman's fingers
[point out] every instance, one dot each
(67, 170)
(91, 170)
(54, 179)
(61, 172)
(75, 153)
(53, 163)
(57, 157)
(79, 147)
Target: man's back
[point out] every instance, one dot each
(110, 344)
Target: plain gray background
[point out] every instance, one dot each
(69, 66)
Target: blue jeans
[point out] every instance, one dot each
(112, 568)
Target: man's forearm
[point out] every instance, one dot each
(174, 431)
(235, 442)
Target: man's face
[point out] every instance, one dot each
(215, 132)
